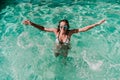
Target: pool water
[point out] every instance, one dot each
(26, 53)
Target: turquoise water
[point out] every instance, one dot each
(26, 53)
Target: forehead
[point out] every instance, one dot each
(63, 23)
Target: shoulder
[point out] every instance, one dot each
(55, 30)
(69, 33)
(73, 31)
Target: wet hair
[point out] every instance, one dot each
(66, 21)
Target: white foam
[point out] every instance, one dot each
(23, 40)
(96, 66)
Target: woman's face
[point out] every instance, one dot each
(63, 26)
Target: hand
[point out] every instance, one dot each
(27, 22)
(102, 21)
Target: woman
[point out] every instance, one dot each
(63, 34)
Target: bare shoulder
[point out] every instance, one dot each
(55, 30)
(70, 32)
(73, 31)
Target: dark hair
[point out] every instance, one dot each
(64, 20)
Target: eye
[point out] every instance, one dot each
(65, 27)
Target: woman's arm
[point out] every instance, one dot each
(87, 27)
(28, 22)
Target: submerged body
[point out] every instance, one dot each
(61, 48)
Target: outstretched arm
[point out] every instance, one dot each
(28, 22)
(87, 27)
